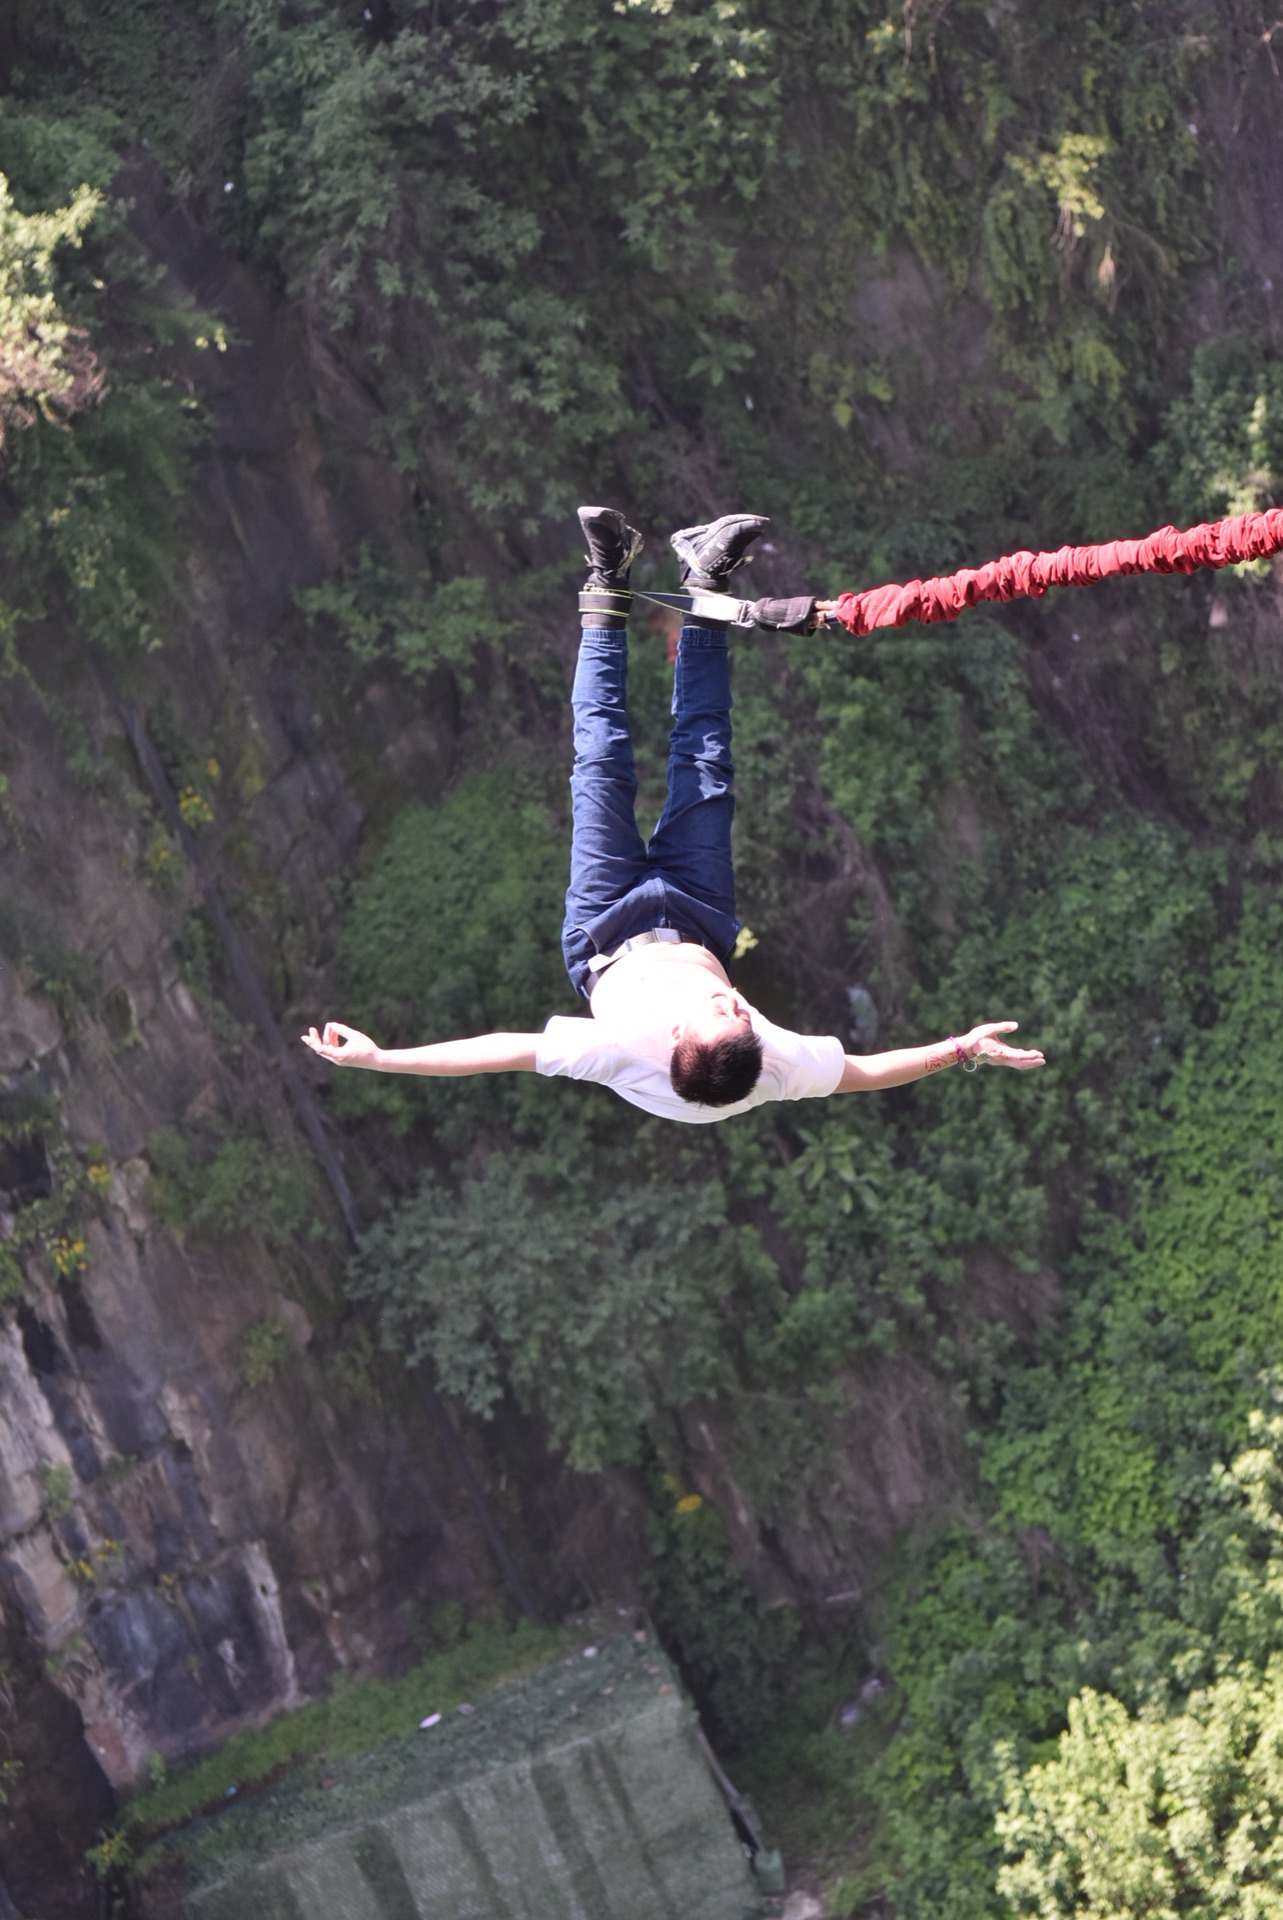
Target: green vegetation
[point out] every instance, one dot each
(60, 1491)
(1224, 446)
(1172, 1798)
(351, 1366)
(49, 966)
(241, 1187)
(453, 929)
(929, 284)
(51, 1193)
(500, 1285)
(408, 186)
(377, 612)
(734, 1651)
(90, 481)
(1135, 1813)
(266, 1344)
(41, 370)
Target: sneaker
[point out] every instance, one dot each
(710, 555)
(612, 546)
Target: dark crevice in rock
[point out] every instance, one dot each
(81, 1324)
(39, 1343)
(24, 1173)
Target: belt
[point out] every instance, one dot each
(600, 961)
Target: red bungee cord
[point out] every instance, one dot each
(1251, 536)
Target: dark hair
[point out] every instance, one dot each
(717, 1073)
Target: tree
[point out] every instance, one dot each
(46, 364)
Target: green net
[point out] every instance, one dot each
(577, 1791)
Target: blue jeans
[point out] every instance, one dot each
(683, 878)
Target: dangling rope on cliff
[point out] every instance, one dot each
(1221, 543)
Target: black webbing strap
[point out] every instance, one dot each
(614, 602)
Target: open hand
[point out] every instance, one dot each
(342, 1046)
(983, 1044)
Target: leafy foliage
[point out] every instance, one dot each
(733, 1651)
(44, 368)
(264, 1348)
(88, 502)
(410, 183)
(1102, 1458)
(54, 1194)
(1099, 1439)
(1222, 452)
(240, 1188)
(378, 612)
(61, 972)
(451, 931)
(60, 1491)
(1176, 1808)
(597, 1306)
(1137, 1817)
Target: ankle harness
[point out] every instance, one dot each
(613, 601)
(779, 616)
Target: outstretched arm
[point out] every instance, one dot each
(484, 1053)
(866, 1073)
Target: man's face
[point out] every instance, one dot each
(725, 1012)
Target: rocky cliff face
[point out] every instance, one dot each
(195, 1530)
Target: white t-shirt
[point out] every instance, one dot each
(795, 1066)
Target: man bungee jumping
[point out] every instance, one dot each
(650, 928)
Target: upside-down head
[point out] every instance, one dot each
(716, 1073)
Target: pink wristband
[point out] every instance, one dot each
(960, 1053)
